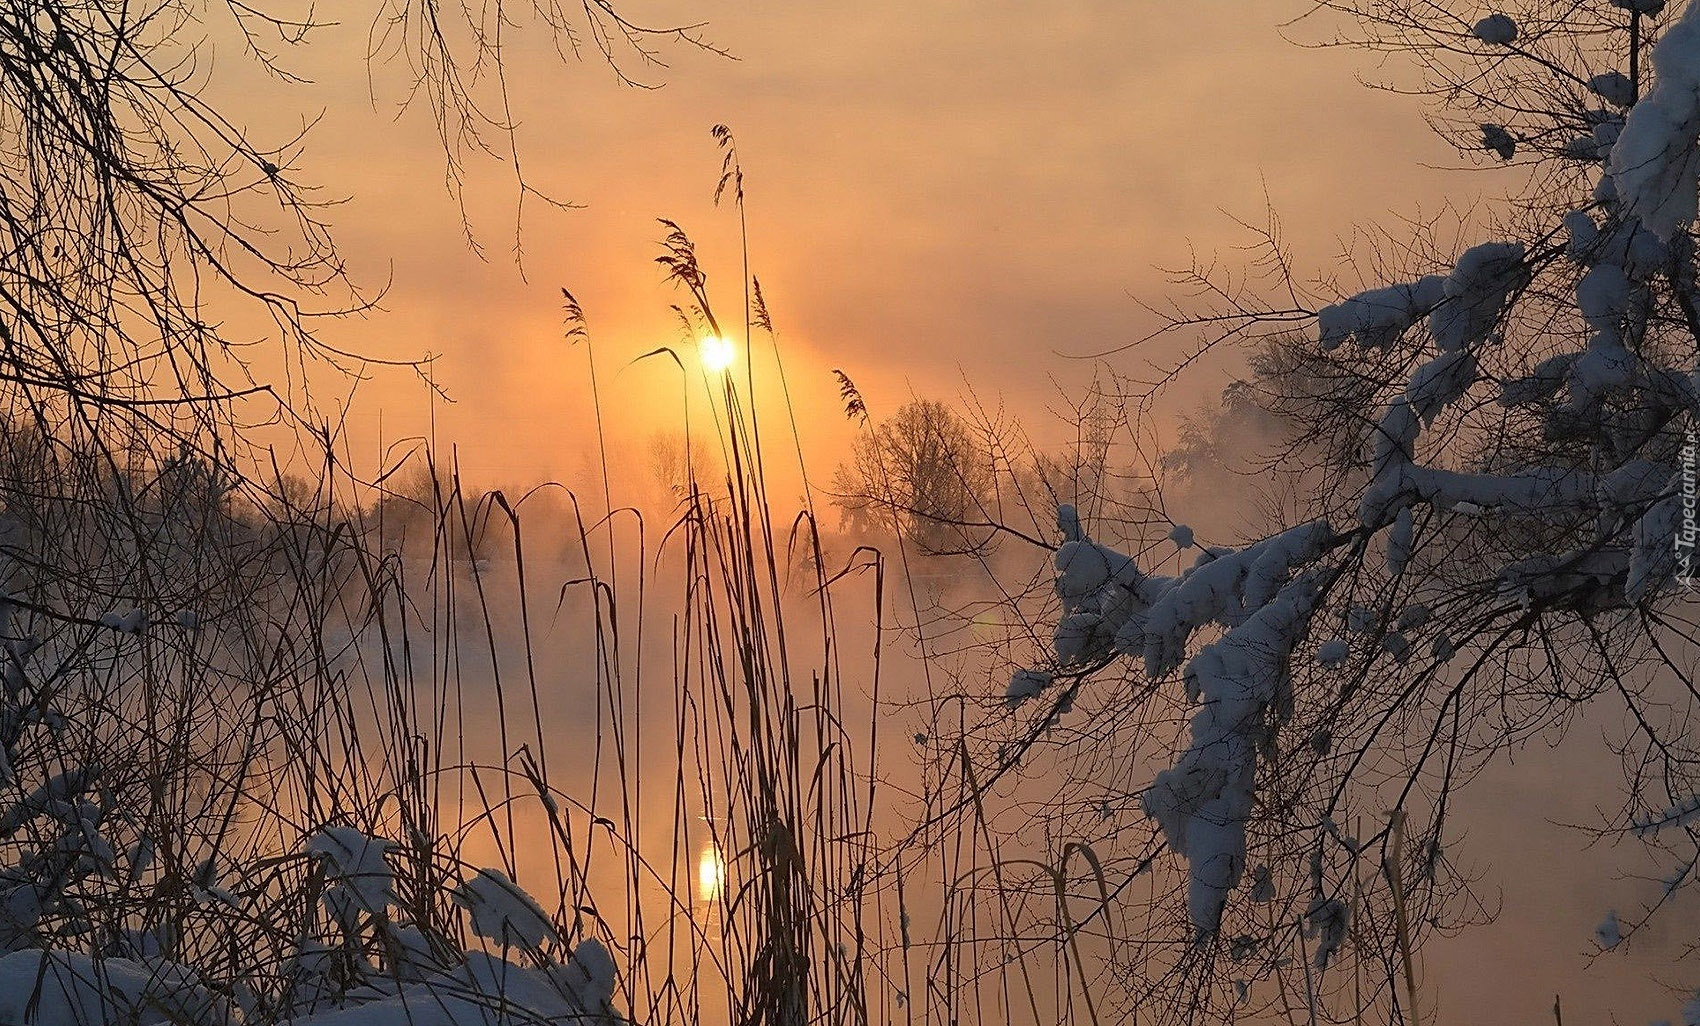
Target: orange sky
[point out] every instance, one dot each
(941, 195)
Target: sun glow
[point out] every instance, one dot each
(711, 874)
(718, 354)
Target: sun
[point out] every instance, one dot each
(711, 874)
(718, 354)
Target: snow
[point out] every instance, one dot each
(20, 911)
(1605, 135)
(503, 913)
(359, 877)
(81, 873)
(1551, 575)
(1528, 492)
(1439, 383)
(1475, 293)
(1652, 555)
(131, 621)
(1644, 252)
(1080, 638)
(1496, 30)
(1583, 233)
(1609, 933)
(426, 982)
(1376, 318)
(1497, 139)
(1613, 87)
(1395, 436)
(57, 789)
(1651, 7)
(1202, 802)
(1605, 367)
(1635, 484)
(1025, 684)
(1100, 590)
(1655, 167)
(1399, 542)
(489, 991)
(1262, 596)
(1327, 920)
(1224, 585)
(1583, 148)
(1675, 817)
(57, 988)
(1549, 376)
(1396, 645)
(1603, 297)
(1277, 557)
(592, 970)
(1084, 567)
(1605, 191)
(82, 840)
(1207, 591)
(1068, 522)
(1262, 885)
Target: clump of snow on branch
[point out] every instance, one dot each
(1328, 920)
(358, 874)
(1109, 606)
(1375, 319)
(1614, 87)
(1655, 167)
(1674, 818)
(1025, 684)
(1497, 139)
(1475, 293)
(1609, 933)
(503, 913)
(131, 621)
(1496, 30)
(1203, 801)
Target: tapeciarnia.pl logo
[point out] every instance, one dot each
(1689, 531)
